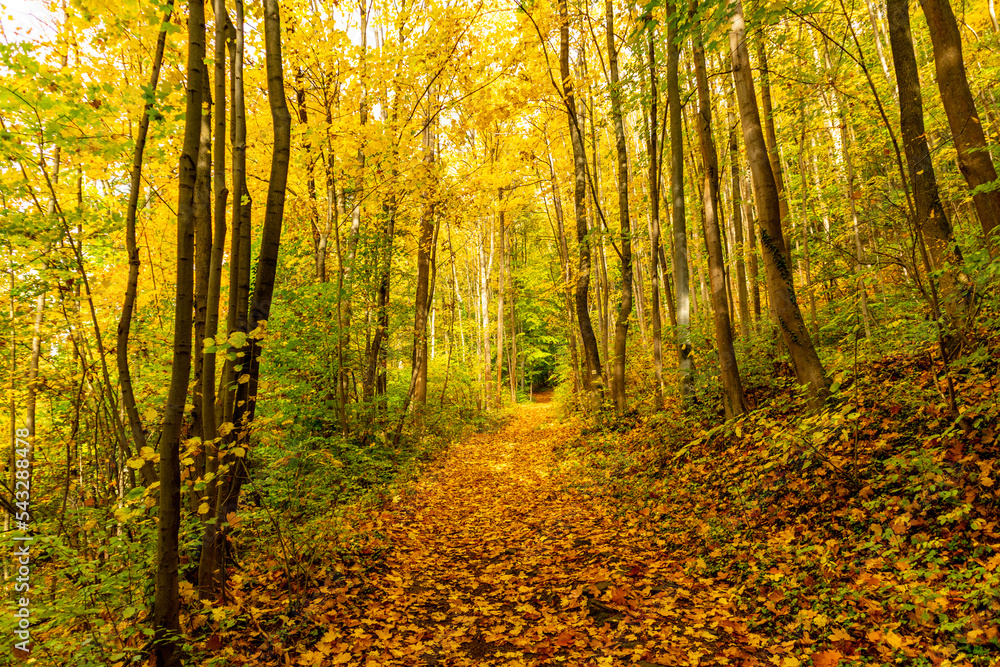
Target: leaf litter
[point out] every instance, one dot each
(495, 558)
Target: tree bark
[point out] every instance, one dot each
(808, 368)
(166, 606)
(593, 379)
(733, 400)
(424, 252)
(931, 221)
(266, 270)
(211, 567)
(682, 279)
(772, 146)
(653, 180)
(567, 269)
(747, 197)
(206, 563)
(148, 471)
(202, 268)
(625, 307)
(740, 245)
(974, 159)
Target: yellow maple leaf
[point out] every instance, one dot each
(839, 635)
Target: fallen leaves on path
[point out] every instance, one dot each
(494, 560)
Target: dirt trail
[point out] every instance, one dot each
(495, 561)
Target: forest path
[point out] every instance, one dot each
(497, 560)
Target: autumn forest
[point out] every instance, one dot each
(460, 332)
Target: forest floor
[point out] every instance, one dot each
(496, 559)
(867, 533)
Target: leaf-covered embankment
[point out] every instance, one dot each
(865, 534)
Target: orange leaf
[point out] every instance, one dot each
(565, 638)
(827, 658)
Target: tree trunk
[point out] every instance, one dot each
(239, 250)
(346, 267)
(746, 193)
(125, 323)
(567, 269)
(740, 245)
(485, 266)
(202, 268)
(424, 253)
(808, 368)
(593, 380)
(166, 607)
(772, 147)
(266, 269)
(974, 159)
(877, 37)
(682, 280)
(625, 307)
(931, 221)
(849, 165)
(206, 564)
(734, 402)
(211, 568)
(501, 296)
(653, 180)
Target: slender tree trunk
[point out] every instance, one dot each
(734, 402)
(653, 180)
(772, 146)
(747, 197)
(321, 237)
(211, 567)
(877, 38)
(125, 323)
(567, 270)
(808, 368)
(501, 296)
(682, 280)
(202, 268)
(625, 307)
(593, 380)
(740, 245)
(166, 607)
(974, 159)
(266, 270)
(206, 564)
(849, 165)
(354, 232)
(807, 231)
(239, 250)
(424, 253)
(485, 265)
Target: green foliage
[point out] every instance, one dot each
(90, 601)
